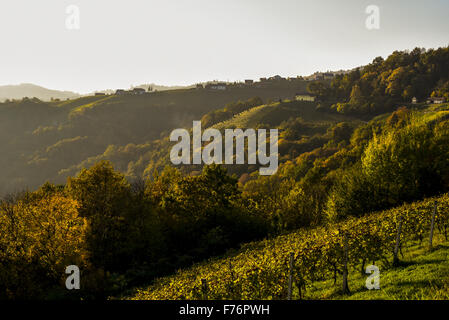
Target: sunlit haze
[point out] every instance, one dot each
(124, 43)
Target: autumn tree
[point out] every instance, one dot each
(38, 239)
(104, 196)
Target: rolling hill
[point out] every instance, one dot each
(49, 140)
(362, 176)
(31, 90)
(260, 270)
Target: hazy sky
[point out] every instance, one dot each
(122, 43)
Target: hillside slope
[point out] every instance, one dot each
(260, 270)
(275, 113)
(41, 139)
(30, 90)
(422, 275)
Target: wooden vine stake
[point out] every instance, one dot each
(204, 288)
(432, 225)
(232, 279)
(290, 277)
(345, 287)
(398, 239)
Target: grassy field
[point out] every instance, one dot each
(273, 114)
(421, 275)
(259, 270)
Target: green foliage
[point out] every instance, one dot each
(39, 236)
(319, 89)
(229, 111)
(381, 85)
(104, 196)
(354, 194)
(203, 214)
(442, 90)
(260, 270)
(422, 275)
(146, 219)
(54, 140)
(400, 165)
(341, 132)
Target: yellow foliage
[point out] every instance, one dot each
(38, 240)
(260, 270)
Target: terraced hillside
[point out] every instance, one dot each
(273, 114)
(45, 140)
(260, 270)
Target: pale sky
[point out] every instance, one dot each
(122, 43)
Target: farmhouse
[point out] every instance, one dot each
(138, 91)
(436, 100)
(301, 97)
(321, 76)
(216, 86)
(317, 76)
(328, 75)
(276, 78)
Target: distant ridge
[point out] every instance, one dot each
(154, 87)
(29, 90)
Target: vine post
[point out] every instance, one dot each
(232, 279)
(290, 277)
(345, 287)
(204, 289)
(432, 224)
(398, 239)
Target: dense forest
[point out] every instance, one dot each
(381, 85)
(52, 140)
(114, 206)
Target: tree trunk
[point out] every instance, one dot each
(396, 248)
(345, 287)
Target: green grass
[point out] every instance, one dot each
(427, 112)
(273, 114)
(246, 118)
(421, 275)
(73, 103)
(90, 105)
